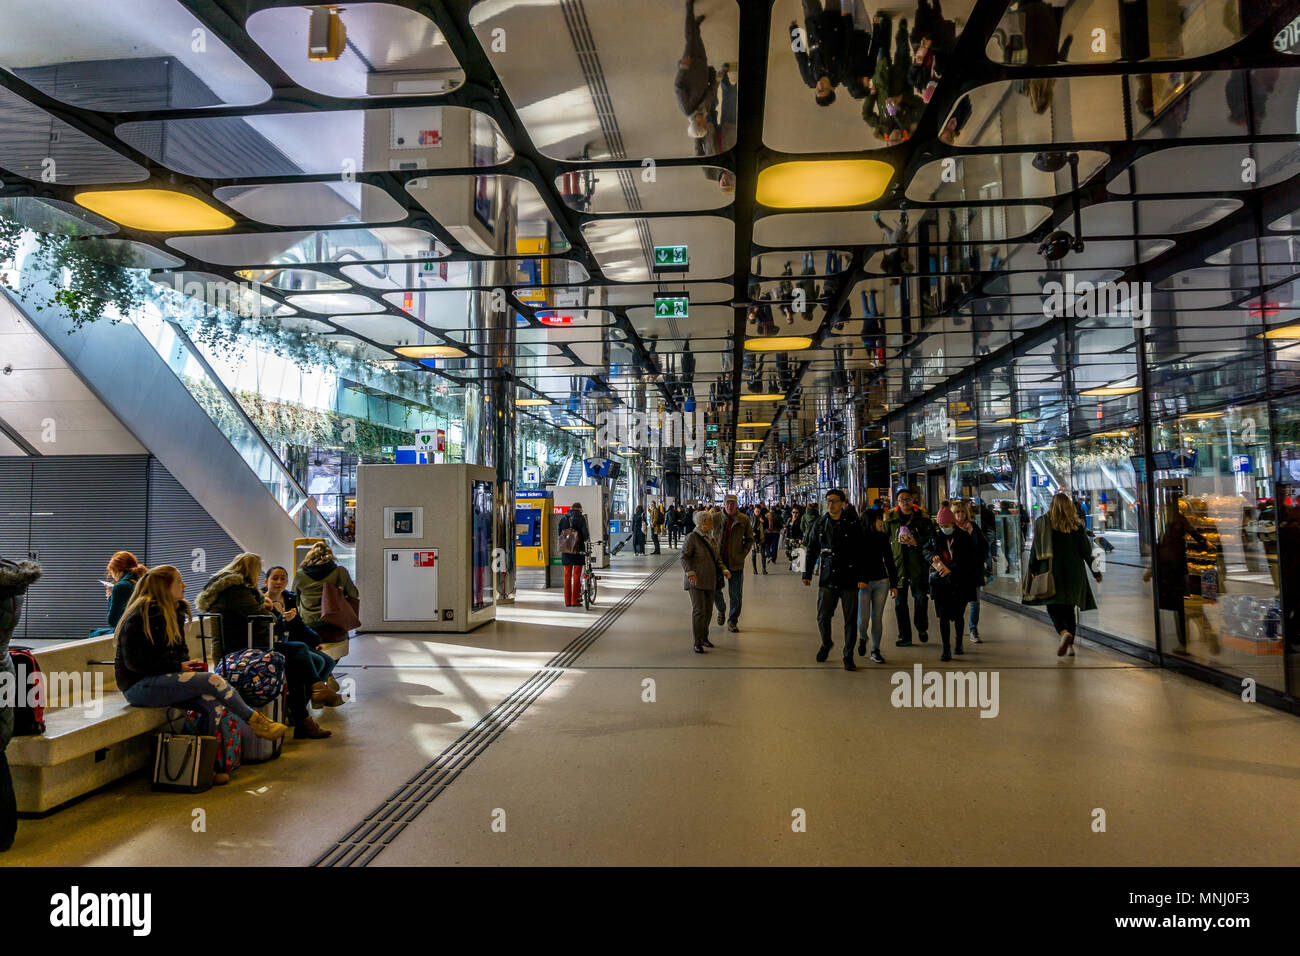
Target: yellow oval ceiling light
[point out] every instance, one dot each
(763, 397)
(823, 183)
(430, 351)
(753, 424)
(778, 343)
(531, 402)
(155, 210)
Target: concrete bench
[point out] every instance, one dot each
(90, 739)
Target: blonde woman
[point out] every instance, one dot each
(233, 592)
(317, 570)
(1061, 548)
(152, 665)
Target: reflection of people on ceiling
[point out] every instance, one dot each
(862, 49)
(697, 82)
(820, 51)
(891, 108)
(934, 38)
(956, 122)
(895, 261)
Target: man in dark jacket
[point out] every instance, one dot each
(734, 537)
(697, 82)
(909, 529)
(837, 540)
(820, 51)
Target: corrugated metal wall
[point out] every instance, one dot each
(72, 512)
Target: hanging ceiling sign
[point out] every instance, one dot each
(674, 306)
(671, 259)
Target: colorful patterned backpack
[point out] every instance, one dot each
(230, 745)
(257, 674)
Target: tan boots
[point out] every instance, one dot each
(265, 728)
(322, 694)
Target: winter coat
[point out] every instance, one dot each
(839, 545)
(577, 521)
(120, 597)
(142, 655)
(733, 552)
(228, 594)
(952, 592)
(1070, 563)
(15, 578)
(913, 568)
(877, 559)
(309, 584)
(699, 555)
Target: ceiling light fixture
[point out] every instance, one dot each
(753, 424)
(430, 351)
(1106, 391)
(841, 182)
(531, 402)
(1015, 421)
(155, 210)
(1285, 332)
(778, 343)
(763, 397)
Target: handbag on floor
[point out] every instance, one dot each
(183, 763)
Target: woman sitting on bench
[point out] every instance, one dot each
(233, 593)
(289, 628)
(152, 665)
(124, 570)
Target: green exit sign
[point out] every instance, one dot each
(671, 259)
(711, 427)
(672, 306)
(711, 443)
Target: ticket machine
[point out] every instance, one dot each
(533, 535)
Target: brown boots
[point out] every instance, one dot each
(322, 694)
(308, 729)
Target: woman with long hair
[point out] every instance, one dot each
(318, 569)
(967, 513)
(152, 664)
(307, 668)
(123, 572)
(1062, 550)
(233, 593)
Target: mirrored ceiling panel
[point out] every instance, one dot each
(312, 204)
(866, 96)
(1078, 109)
(463, 275)
(481, 212)
(54, 217)
(321, 143)
(813, 262)
(40, 147)
(215, 292)
(647, 188)
(305, 248)
(294, 280)
(1209, 168)
(990, 177)
(1151, 216)
(124, 56)
(625, 248)
(127, 253)
(1040, 33)
(986, 223)
(380, 49)
(616, 85)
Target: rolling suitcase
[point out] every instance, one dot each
(255, 749)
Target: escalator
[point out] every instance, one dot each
(142, 371)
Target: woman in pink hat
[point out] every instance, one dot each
(954, 569)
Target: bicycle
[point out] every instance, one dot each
(589, 579)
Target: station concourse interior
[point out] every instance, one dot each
(470, 310)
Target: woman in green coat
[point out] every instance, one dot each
(317, 570)
(1062, 547)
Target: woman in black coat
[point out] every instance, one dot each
(638, 530)
(954, 572)
(575, 520)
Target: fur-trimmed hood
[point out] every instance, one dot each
(18, 575)
(217, 585)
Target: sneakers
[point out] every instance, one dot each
(722, 617)
(822, 654)
(733, 628)
(903, 642)
(699, 649)
(975, 636)
(876, 658)
(707, 642)
(1066, 640)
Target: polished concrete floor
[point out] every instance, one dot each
(751, 754)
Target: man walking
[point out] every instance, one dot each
(837, 540)
(735, 537)
(909, 529)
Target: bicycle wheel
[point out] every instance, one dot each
(589, 592)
